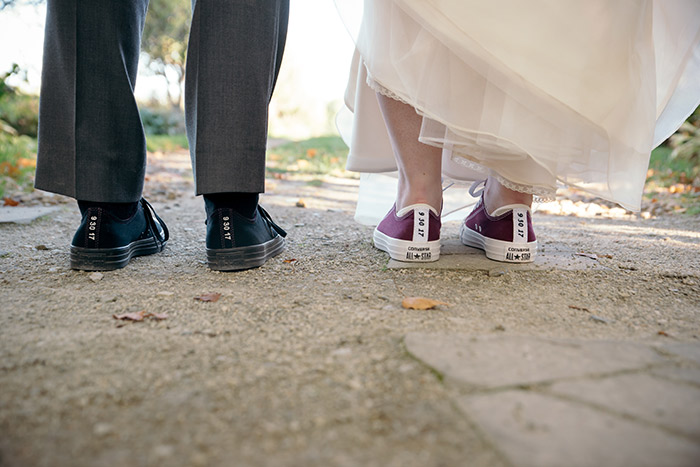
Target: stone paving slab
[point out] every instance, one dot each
(688, 351)
(673, 405)
(533, 429)
(497, 361)
(24, 215)
(689, 375)
(455, 256)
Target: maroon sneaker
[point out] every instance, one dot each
(505, 235)
(412, 234)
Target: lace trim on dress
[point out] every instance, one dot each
(541, 194)
(376, 87)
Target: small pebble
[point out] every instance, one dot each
(341, 352)
(96, 276)
(102, 429)
(163, 450)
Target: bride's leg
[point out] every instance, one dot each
(496, 195)
(419, 165)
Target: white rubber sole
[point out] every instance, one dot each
(498, 250)
(403, 250)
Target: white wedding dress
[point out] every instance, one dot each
(536, 93)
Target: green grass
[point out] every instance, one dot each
(166, 143)
(670, 180)
(667, 170)
(317, 156)
(21, 112)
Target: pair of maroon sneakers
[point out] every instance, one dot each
(413, 233)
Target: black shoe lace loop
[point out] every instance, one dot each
(153, 224)
(264, 214)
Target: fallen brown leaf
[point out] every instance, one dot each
(580, 308)
(208, 297)
(292, 260)
(301, 203)
(663, 333)
(10, 202)
(140, 316)
(588, 255)
(421, 303)
(9, 169)
(24, 162)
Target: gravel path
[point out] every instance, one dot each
(305, 360)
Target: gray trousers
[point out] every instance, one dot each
(91, 142)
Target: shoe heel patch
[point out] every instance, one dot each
(226, 228)
(421, 226)
(520, 225)
(92, 227)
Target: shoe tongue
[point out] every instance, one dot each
(410, 208)
(508, 207)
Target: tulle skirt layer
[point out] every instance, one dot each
(536, 93)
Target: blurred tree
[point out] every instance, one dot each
(10, 3)
(165, 42)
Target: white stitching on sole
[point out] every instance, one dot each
(404, 250)
(498, 250)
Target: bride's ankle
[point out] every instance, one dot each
(410, 199)
(496, 195)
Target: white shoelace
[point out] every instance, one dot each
(475, 190)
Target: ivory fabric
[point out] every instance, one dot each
(536, 93)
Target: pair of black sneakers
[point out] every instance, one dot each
(104, 242)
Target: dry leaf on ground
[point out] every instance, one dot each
(10, 202)
(421, 303)
(140, 316)
(208, 297)
(301, 203)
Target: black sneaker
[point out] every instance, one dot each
(104, 242)
(235, 242)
